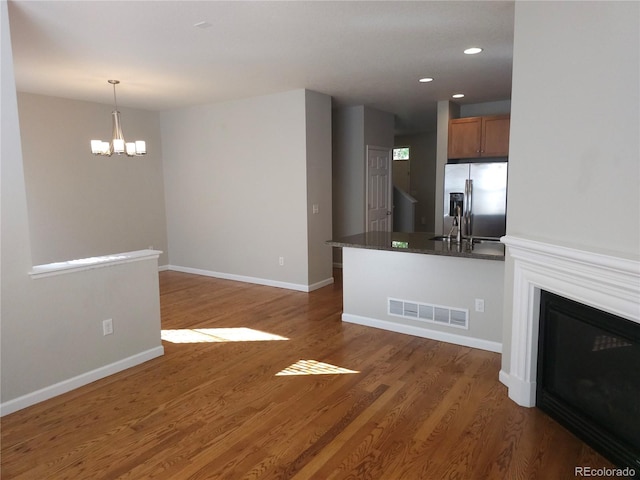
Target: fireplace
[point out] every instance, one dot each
(603, 281)
(588, 376)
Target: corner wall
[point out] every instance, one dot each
(319, 189)
(52, 328)
(446, 111)
(574, 155)
(423, 176)
(348, 151)
(236, 186)
(353, 129)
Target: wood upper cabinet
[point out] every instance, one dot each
(495, 136)
(474, 137)
(465, 135)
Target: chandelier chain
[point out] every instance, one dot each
(115, 100)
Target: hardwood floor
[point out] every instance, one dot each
(413, 408)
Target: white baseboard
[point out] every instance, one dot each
(424, 333)
(504, 378)
(69, 384)
(163, 268)
(259, 281)
(323, 283)
(522, 392)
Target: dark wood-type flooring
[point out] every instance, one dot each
(413, 408)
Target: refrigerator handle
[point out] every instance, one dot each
(469, 208)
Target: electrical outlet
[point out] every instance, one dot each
(107, 326)
(479, 305)
(281, 261)
(316, 208)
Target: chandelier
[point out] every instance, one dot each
(118, 145)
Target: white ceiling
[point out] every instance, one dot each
(359, 52)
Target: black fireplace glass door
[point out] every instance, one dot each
(589, 370)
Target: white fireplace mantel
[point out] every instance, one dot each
(606, 282)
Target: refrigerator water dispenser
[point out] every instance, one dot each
(456, 199)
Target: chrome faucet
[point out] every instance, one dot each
(458, 221)
(457, 224)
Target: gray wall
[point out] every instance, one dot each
(52, 327)
(487, 108)
(378, 128)
(446, 111)
(574, 166)
(319, 225)
(423, 176)
(353, 129)
(348, 152)
(81, 205)
(238, 179)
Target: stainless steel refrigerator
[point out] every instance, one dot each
(480, 190)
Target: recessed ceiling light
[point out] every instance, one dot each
(426, 80)
(473, 50)
(458, 95)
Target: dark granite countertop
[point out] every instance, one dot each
(422, 242)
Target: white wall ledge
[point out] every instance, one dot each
(71, 266)
(610, 260)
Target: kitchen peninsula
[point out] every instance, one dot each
(415, 284)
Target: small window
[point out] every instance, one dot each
(401, 153)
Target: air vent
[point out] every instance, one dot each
(410, 309)
(396, 307)
(438, 314)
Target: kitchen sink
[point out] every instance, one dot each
(486, 240)
(474, 239)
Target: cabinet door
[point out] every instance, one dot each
(464, 137)
(495, 136)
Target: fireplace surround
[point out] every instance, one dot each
(603, 281)
(606, 282)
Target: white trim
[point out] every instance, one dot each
(71, 266)
(424, 333)
(504, 378)
(606, 282)
(78, 381)
(320, 284)
(259, 281)
(163, 268)
(537, 249)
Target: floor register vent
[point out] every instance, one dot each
(438, 314)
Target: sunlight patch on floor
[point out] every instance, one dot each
(212, 335)
(313, 367)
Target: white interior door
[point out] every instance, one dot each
(379, 193)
